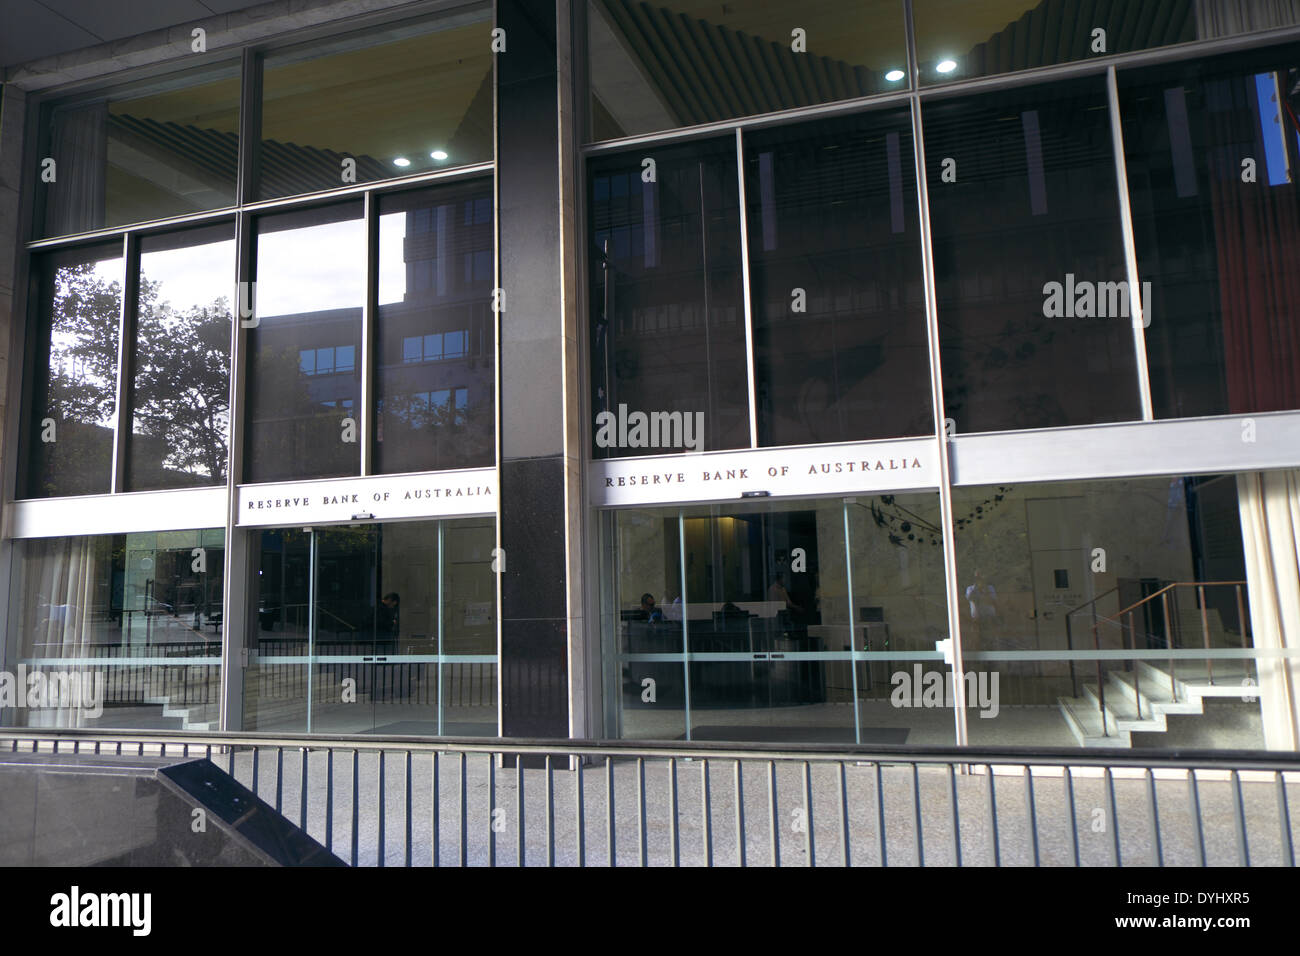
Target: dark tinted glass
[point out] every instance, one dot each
(161, 149)
(1213, 153)
(656, 66)
(667, 307)
(1027, 249)
(434, 338)
(958, 39)
(304, 367)
(180, 365)
(73, 405)
(410, 100)
(840, 349)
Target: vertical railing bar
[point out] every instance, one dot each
(1068, 778)
(1194, 801)
(673, 836)
(740, 814)
(916, 810)
(845, 851)
(464, 813)
(279, 779)
(302, 788)
(1284, 819)
(956, 815)
(1154, 809)
(706, 828)
(880, 817)
(255, 767)
(580, 803)
(810, 844)
(406, 779)
(1243, 844)
(1031, 811)
(435, 800)
(640, 800)
(609, 812)
(492, 810)
(383, 801)
(993, 816)
(520, 854)
(550, 813)
(356, 816)
(772, 812)
(1114, 817)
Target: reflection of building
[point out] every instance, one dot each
(836, 255)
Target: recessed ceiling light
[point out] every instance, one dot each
(946, 66)
(893, 76)
(438, 154)
(401, 161)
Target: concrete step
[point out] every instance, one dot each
(1122, 708)
(1085, 722)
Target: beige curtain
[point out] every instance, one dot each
(58, 602)
(1270, 529)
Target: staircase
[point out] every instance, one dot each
(1141, 696)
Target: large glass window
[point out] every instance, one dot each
(125, 630)
(667, 302)
(304, 378)
(775, 621)
(1035, 326)
(1105, 613)
(361, 109)
(656, 66)
(157, 149)
(840, 348)
(1213, 154)
(72, 410)
(383, 628)
(180, 361)
(435, 335)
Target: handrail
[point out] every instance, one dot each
(1170, 587)
(883, 753)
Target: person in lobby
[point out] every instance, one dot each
(983, 600)
(652, 613)
(388, 614)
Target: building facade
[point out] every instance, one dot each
(901, 371)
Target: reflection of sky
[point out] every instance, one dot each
(311, 269)
(192, 276)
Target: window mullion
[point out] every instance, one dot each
(126, 326)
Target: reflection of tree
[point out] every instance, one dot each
(180, 389)
(424, 430)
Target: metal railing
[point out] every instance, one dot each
(419, 801)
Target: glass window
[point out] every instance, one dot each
(840, 345)
(1213, 154)
(414, 99)
(311, 280)
(100, 614)
(1034, 322)
(657, 67)
(775, 621)
(73, 406)
(420, 595)
(959, 39)
(180, 361)
(668, 318)
(421, 234)
(1151, 571)
(157, 149)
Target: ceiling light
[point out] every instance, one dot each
(401, 161)
(946, 66)
(438, 154)
(893, 76)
